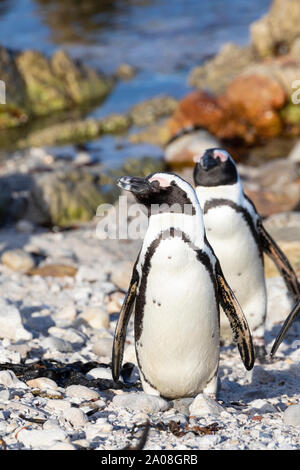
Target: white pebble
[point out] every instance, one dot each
(75, 416)
(8, 379)
(96, 317)
(11, 325)
(82, 392)
(100, 373)
(204, 405)
(141, 402)
(291, 416)
(43, 383)
(40, 438)
(103, 347)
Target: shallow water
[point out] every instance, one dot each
(163, 39)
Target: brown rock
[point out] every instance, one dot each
(54, 270)
(275, 32)
(256, 98)
(198, 108)
(292, 250)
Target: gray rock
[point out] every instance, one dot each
(141, 402)
(263, 406)
(53, 343)
(8, 379)
(100, 373)
(37, 439)
(183, 149)
(183, 405)
(208, 441)
(291, 416)
(11, 325)
(103, 347)
(25, 226)
(204, 405)
(75, 416)
(81, 392)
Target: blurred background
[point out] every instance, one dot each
(96, 89)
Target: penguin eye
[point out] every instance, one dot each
(155, 185)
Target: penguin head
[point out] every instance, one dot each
(163, 189)
(214, 167)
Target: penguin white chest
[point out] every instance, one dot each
(237, 250)
(178, 347)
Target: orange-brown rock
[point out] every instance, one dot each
(54, 270)
(249, 110)
(256, 99)
(198, 108)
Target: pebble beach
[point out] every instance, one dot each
(68, 314)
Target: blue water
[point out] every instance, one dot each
(164, 39)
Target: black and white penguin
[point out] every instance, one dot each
(239, 239)
(176, 287)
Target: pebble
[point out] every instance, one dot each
(141, 402)
(51, 424)
(183, 405)
(103, 347)
(204, 405)
(209, 441)
(40, 438)
(67, 312)
(4, 395)
(102, 426)
(75, 416)
(68, 334)
(8, 379)
(58, 405)
(11, 325)
(100, 373)
(53, 343)
(43, 383)
(18, 260)
(263, 406)
(291, 415)
(82, 392)
(96, 317)
(25, 226)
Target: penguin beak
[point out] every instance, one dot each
(135, 184)
(207, 161)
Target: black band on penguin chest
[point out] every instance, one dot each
(141, 298)
(213, 203)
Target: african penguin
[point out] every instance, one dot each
(237, 235)
(176, 287)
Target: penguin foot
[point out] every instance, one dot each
(261, 353)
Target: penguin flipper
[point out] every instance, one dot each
(237, 320)
(288, 322)
(120, 332)
(283, 265)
